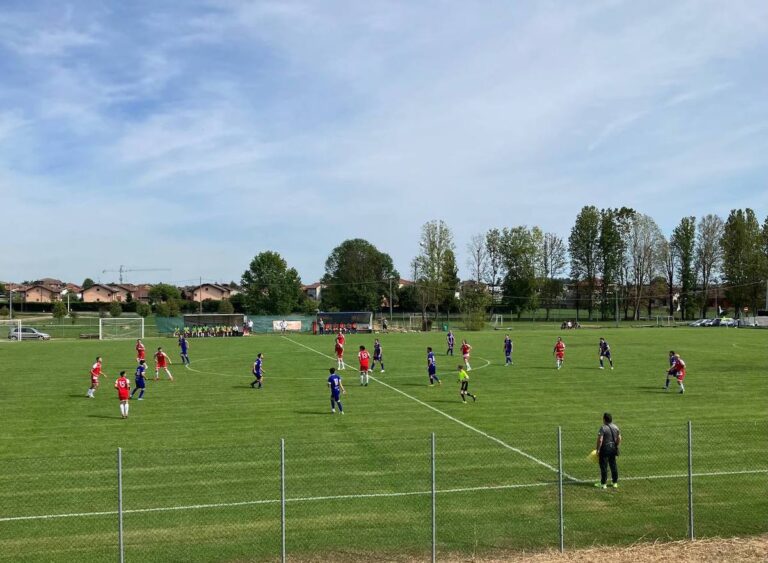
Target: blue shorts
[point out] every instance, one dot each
(335, 395)
(432, 370)
(140, 383)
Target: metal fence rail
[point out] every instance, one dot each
(422, 498)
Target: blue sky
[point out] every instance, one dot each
(193, 135)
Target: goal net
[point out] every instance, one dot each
(10, 331)
(120, 328)
(665, 321)
(497, 321)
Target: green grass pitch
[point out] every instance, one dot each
(202, 467)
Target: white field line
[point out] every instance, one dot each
(454, 419)
(364, 496)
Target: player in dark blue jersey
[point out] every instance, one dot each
(337, 389)
(378, 355)
(258, 371)
(605, 352)
(432, 368)
(184, 347)
(141, 382)
(451, 342)
(507, 350)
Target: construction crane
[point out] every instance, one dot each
(122, 270)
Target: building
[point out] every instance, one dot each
(40, 293)
(100, 293)
(211, 291)
(313, 291)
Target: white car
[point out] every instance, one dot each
(27, 333)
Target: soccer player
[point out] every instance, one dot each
(334, 383)
(559, 352)
(451, 342)
(340, 340)
(432, 367)
(605, 352)
(464, 387)
(677, 371)
(140, 351)
(465, 350)
(507, 350)
(365, 365)
(258, 371)
(139, 377)
(123, 387)
(161, 361)
(184, 347)
(95, 375)
(378, 355)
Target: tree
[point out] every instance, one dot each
(408, 298)
(270, 286)
(552, 256)
(477, 257)
(612, 253)
(143, 310)
(744, 262)
(709, 254)
(520, 245)
(2, 287)
(668, 260)
(226, 307)
(583, 246)
(644, 250)
(495, 270)
(162, 309)
(357, 277)
(684, 241)
(163, 292)
(429, 267)
(59, 310)
(88, 283)
(450, 282)
(474, 302)
(115, 309)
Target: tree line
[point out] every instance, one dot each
(613, 258)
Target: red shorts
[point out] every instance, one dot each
(123, 394)
(94, 381)
(161, 365)
(141, 356)
(680, 375)
(364, 367)
(339, 353)
(466, 356)
(560, 355)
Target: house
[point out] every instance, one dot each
(99, 293)
(40, 293)
(124, 291)
(313, 291)
(212, 291)
(51, 283)
(72, 289)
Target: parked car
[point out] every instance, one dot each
(710, 322)
(27, 333)
(700, 322)
(725, 321)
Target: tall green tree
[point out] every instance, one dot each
(744, 262)
(610, 246)
(494, 273)
(684, 244)
(270, 286)
(143, 309)
(520, 285)
(552, 258)
(644, 252)
(115, 309)
(163, 292)
(88, 283)
(59, 310)
(225, 307)
(431, 266)
(450, 282)
(584, 248)
(357, 277)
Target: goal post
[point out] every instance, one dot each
(665, 321)
(10, 330)
(121, 328)
(497, 321)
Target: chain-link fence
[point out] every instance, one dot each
(356, 498)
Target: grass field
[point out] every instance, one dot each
(201, 456)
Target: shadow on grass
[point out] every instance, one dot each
(316, 413)
(104, 416)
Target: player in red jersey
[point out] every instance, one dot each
(141, 352)
(161, 361)
(95, 375)
(465, 350)
(677, 371)
(123, 387)
(339, 347)
(559, 352)
(365, 365)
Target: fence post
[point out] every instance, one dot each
(434, 503)
(560, 487)
(691, 534)
(282, 500)
(120, 545)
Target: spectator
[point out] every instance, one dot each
(608, 442)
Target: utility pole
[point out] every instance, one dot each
(200, 295)
(390, 299)
(616, 299)
(10, 304)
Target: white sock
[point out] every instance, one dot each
(468, 366)
(126, 409)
